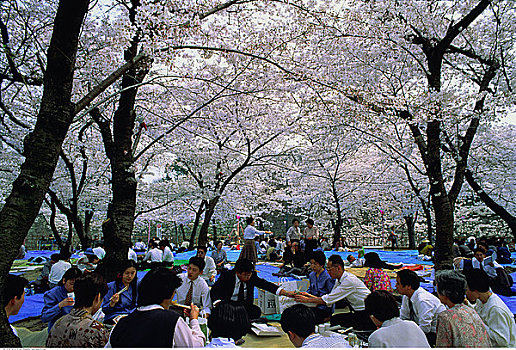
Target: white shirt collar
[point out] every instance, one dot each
(150, 307)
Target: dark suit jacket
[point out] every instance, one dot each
(225, 285)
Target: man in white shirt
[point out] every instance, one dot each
(152, 324)
(499, 320)
(59, 268)
(140, 246)
(347, 287)
(478, 262)
(418, 305)
(210, 269)
(99, 251)
(14, 296)
(131, 255)
(168, 256)
(354, 262)
(392, 331)
(294, 232)
(154, 256)
(194, 289)
(298, 322)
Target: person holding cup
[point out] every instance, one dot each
(59, 300)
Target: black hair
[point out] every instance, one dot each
(336, 260)
(409, 278)
(372, 259)
(319, 257)
(14, 287)
(272, 243)
(249, 220)
(202, 248)
(382, 305)
(298, 319)
(229, 319)
(244, 265)
(294, 220)
(477, 280)
(157, 285)
(349, 256)
(217, 243)
(479, 249)
(64, 254)
(309, 221)
(87, 287)
(55, 257)
(134, 283)
(199, 262)
(165, 243)
(71, 274)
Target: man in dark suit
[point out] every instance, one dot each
(238, 285)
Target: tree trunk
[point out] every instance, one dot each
(42, 145)
(214, 233)
(198, 215)
(210, 210)
(409, 220)
(509, 219)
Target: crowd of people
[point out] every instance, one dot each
(163, 308)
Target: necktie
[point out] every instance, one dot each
(481, 265)
(241, 292)
(188, 299)
(412, 313)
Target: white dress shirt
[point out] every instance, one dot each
(398, 333)
(154, 255)
(311, 232)
(250, 232)
(210, 268)
(57, 271)
(426, 307)
(490, 270)
(99, 252)
(184, 336)
(499, 321)
(234, 297)
(350, 287)
(293, 233)
(167, 255)
(131, 255)
(200, 295)
(140, 246)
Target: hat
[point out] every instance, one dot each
(89, 251)
(425, 241)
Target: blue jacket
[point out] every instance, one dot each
(51, 311)
(125, 305)
(320, 286)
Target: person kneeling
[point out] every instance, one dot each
(78, 329)
(152, 324)
(298, 321)
(392, 332)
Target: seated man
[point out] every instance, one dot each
(210, 270)
(425, 248)
(271, 254)
(392, 332)
(41, 283)
(193, 288)
(78, 329)
(298, 321)
(59, 268)
(238, 285)
(297, 260)
(354, 262)
(497, 317)
(320, 284)
(13, 296)
(154, 256)
(152, 324)
(348, 287)
(140, 246)
(499, 280)
(418, 305)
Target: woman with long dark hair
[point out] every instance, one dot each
(122, 293)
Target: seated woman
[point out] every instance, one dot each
(392, 331)
(122, 293)
(459, 326)
(320, 284)
(59, 300)
(375, 278)
(228, 323)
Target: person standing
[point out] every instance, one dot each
(219, 256)
(311, 234)
(294, 232)
(249, 250)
